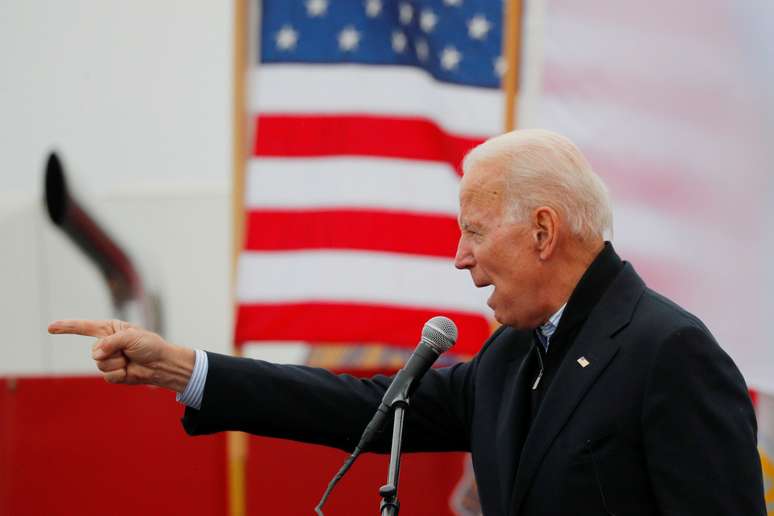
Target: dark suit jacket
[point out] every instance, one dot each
(658, 422)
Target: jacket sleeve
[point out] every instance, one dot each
(699, 430)
(316, 406)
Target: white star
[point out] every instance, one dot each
(316, 8)
(286, 38)
(478, 27)
(452, 3)
(406, 13)
(399, 41)
(428, 20)
(423, 50)
(349, 39)
(450, 58)
(500, 66)
(373, 8)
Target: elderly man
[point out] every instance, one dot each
(595, 396)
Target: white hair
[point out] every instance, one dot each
(542, 168)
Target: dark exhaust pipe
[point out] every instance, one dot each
(130, 300)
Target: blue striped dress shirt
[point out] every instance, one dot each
(194, 391)
(544, 332)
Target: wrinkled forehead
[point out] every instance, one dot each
(482, 189)
(484, 183)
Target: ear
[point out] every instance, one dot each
(545, 231)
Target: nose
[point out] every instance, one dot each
(464, 257)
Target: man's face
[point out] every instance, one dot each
(498, 252)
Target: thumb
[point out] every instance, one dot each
(112, 344)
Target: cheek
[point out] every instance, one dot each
(510, 275)
(499, 262)
(489, 254)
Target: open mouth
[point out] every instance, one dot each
(489, 301)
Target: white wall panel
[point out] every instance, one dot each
(132, 92)
(137, 97)
(21, 300)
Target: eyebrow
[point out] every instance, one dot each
(466, 226)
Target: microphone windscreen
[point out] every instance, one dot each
(440, 333)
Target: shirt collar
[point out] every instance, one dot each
(550, 326)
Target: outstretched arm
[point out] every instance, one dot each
(292, 402)
(314, 405)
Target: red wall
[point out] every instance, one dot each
(80, 446)
(298, 481)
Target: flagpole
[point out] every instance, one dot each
(236, 442)
(512, 24)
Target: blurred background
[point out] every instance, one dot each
(258, 163)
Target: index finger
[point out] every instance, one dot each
(84, 327)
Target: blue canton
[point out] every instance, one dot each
(455, 41)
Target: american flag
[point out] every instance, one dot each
(363, 111)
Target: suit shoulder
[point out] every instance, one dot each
(661, 327)
(666, 316)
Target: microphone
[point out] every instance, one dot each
(438, 335)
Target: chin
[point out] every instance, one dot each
(504, 320)
(510, 321)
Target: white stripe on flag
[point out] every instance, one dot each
(596, 124)
(679, 241)
(359, 277)
(702, 54)
(394, 91)
(391, 184)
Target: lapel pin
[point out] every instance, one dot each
(583, 362)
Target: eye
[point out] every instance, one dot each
(471, 231)
(474, 235)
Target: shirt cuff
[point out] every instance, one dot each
(194, 391)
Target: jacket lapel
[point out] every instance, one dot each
(512, 424)
(597, 344)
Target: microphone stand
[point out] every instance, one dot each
(438, 335)
(390, 505)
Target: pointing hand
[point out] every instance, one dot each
(132, 355)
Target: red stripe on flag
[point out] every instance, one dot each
(359, 135)
(411, 233)
(352, 323)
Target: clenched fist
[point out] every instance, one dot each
(132, 355)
